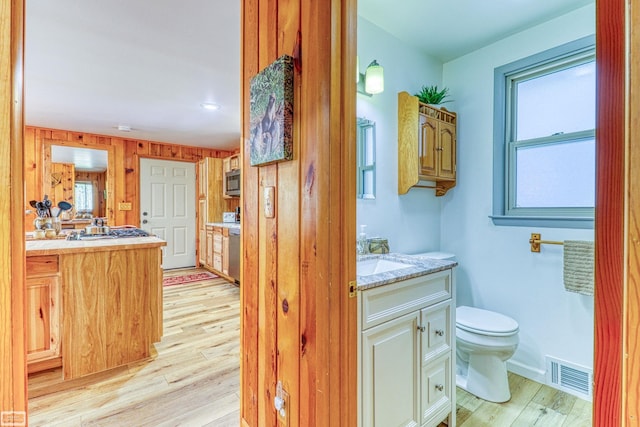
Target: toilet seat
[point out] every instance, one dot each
(485, 322)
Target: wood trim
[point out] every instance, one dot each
(609, 217)
(13, 392)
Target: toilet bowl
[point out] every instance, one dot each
(485, 340)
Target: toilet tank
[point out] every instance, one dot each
(436, 255)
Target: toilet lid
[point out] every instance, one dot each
(485, 322)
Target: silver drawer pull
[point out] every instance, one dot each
(439, 387)
(421, 328)
(439, 332)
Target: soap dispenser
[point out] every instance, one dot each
(362, 247)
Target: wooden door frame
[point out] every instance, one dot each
(612, 307)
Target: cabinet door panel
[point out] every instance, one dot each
(390, 373)
(43, 318)
(447, 150)
(428, 146)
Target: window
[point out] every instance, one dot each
(544, 138)
(83, 196)
(366, 153)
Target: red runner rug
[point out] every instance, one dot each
(187, 278)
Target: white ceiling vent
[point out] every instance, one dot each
(571, 378)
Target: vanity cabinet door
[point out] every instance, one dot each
(43, 318)
(391, 373)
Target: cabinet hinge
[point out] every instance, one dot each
(353, 289)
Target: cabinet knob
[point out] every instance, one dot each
(421, 328)
(439, 332)
(439, 387)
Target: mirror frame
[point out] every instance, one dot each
(110, 172)
(364, 128)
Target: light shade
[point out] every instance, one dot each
(374, 78)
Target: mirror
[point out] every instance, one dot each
(366, 156)
(79, 174)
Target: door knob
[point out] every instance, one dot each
(144, 221)
(439, 332)
(144, 214)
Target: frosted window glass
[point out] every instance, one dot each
(559, 102)
(557, 175)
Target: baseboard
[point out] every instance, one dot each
(534, 374)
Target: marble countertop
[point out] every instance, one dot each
(62, 246)
(234, 225)
(419, 267)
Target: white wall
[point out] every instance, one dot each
(497, 270)
(411, 222)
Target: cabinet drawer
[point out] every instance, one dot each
(436, 391)
(42, 265)
(438, 330)
(390, 301)
(217, 262)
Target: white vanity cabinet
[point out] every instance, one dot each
(407, 352)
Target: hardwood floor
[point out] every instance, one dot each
(531, 404)
(192, 379)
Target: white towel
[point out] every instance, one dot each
(578, 266)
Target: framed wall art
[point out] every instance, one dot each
(271, 113)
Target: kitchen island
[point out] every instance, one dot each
(92, 304)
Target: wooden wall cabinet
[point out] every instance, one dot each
(426, 145)
(407, 357)
(43, 313)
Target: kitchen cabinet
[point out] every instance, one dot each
(407, 352)
(211, 201)
(43, 313)
(426, 146)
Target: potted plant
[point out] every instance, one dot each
(432, 95)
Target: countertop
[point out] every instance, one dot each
(233, 225)
(420, 267)
(61, 246)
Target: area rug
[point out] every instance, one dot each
(187, 278)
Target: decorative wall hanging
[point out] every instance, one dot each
(271, 113)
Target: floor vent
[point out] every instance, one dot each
(568, 377)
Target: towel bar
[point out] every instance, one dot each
(536, 241)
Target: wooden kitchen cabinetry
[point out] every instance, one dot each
(43, 313)
(408, 352)
(211, 201)
(426, 146)
(218, 249)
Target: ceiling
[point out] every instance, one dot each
(94, 65)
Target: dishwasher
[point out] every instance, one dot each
(234, 254)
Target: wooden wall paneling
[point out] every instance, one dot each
(64, 189)
(13, 391)
(131, 193)
(268, 243)
(288, 229)
(631, 364)
(250, 404)
(117, 183)
(609, 218)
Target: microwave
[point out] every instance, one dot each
(232, 183)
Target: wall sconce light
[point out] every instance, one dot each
(372, 81)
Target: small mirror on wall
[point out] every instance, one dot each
(366, 154)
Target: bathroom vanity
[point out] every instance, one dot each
(406, 348)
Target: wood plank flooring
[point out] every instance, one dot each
(192, 378)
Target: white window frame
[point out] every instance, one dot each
(504, 174)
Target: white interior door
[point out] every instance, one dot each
(168, 208)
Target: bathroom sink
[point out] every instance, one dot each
(368, 267)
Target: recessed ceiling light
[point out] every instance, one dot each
(210, 106)
(124, 128)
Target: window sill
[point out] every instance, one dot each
(542, 221)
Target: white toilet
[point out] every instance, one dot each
(485, 340)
